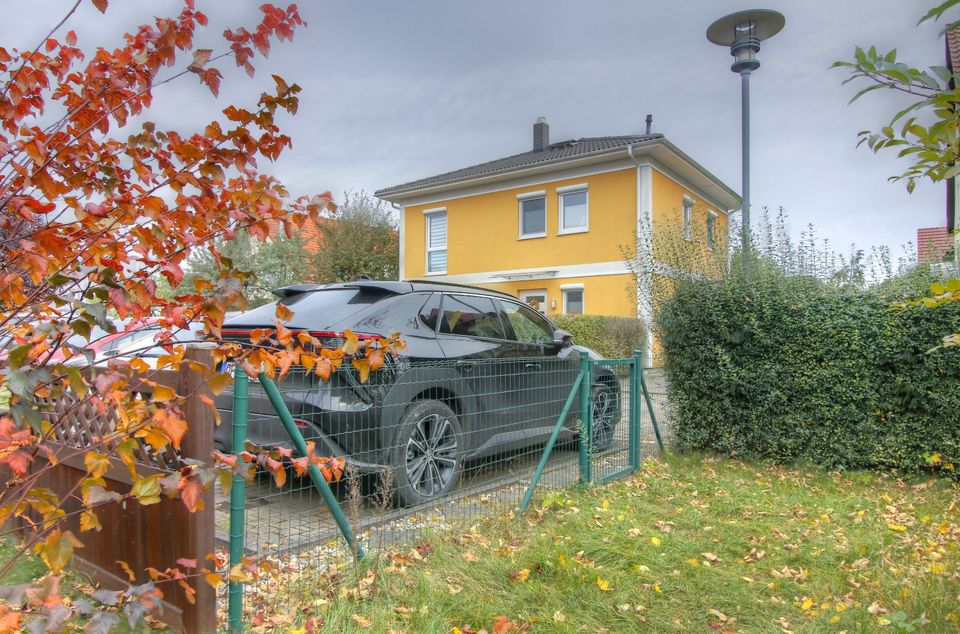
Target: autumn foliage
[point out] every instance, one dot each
(96, 202)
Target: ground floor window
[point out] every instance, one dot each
(573, 301)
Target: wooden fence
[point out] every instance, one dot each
(142, 536)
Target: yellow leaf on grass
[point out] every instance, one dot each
(603, 584)
(897, 527)
(655, 541)
(521, 575)
(359, 620)
(806, 605)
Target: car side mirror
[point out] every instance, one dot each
(563, 337)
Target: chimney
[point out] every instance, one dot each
(541, 134)
(649, 123)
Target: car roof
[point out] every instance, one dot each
(390, 288)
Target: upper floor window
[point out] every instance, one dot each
(436, 241)
(574, 213)
(533, 215)
(687, 218)
(711, 230)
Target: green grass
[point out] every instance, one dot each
(688, 544)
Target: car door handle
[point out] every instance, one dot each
(531, 366)
(466, 366)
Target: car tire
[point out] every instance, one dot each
(427, 456)
(605, 403)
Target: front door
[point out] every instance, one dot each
(535, 299)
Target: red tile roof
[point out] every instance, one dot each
(311, 234)
(953, 50)
(933, 243)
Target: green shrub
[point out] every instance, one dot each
(789, 368)
(612, 337)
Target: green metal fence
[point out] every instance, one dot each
(428, 446)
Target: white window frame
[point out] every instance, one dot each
(572, 189)
(428, 215)
(564, 288)
(687, 216)
(711, 230)
(521, 198)
(525, 295)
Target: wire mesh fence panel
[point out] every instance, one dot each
(612, 400)
(428, 447)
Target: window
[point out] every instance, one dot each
(430, 311)
(687, 218)
(437, 242)
(528, 325)
(533, 217)
(471, 316)
(536, 300)
(711, 229)
(573, 210)
(573, 301)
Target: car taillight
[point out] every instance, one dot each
(301, 424)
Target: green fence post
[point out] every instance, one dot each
(586, 419)
(635, 409)
(238, 496)
(646, 396)
(318, 480)
(574, 391)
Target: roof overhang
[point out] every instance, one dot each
(660, 150)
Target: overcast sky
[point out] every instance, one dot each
(398, 90)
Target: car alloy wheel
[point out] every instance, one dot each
(427, 456)
(431, 455)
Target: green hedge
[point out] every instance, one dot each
(792, 368)
(612, 337)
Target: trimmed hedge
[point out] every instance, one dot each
(792, 368)
(612, 337)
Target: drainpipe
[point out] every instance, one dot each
(644, 313)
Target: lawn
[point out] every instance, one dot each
(688, 544)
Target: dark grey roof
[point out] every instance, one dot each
(553, 152)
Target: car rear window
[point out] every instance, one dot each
(472, 316)
(316, 310)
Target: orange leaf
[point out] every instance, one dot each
(9, 620)
(283, 313)
(191, 494)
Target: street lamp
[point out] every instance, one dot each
(742, 32)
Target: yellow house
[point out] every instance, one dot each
(550, 225)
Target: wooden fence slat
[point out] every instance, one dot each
(142, 536)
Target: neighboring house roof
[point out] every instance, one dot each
(311, 234)
(933, 244)
(555, 154)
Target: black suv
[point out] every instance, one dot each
(482, 374)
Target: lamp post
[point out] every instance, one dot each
(742, 32)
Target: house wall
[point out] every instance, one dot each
(668, 243)
(483, 230)
(602, 295)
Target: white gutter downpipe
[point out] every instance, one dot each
(644, 254)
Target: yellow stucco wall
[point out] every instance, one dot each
(602, 294)
(668, 243)
(483, 230)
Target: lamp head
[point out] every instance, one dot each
(742, 32)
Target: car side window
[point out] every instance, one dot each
(472, 316)
(430, 312)
(528, 325)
